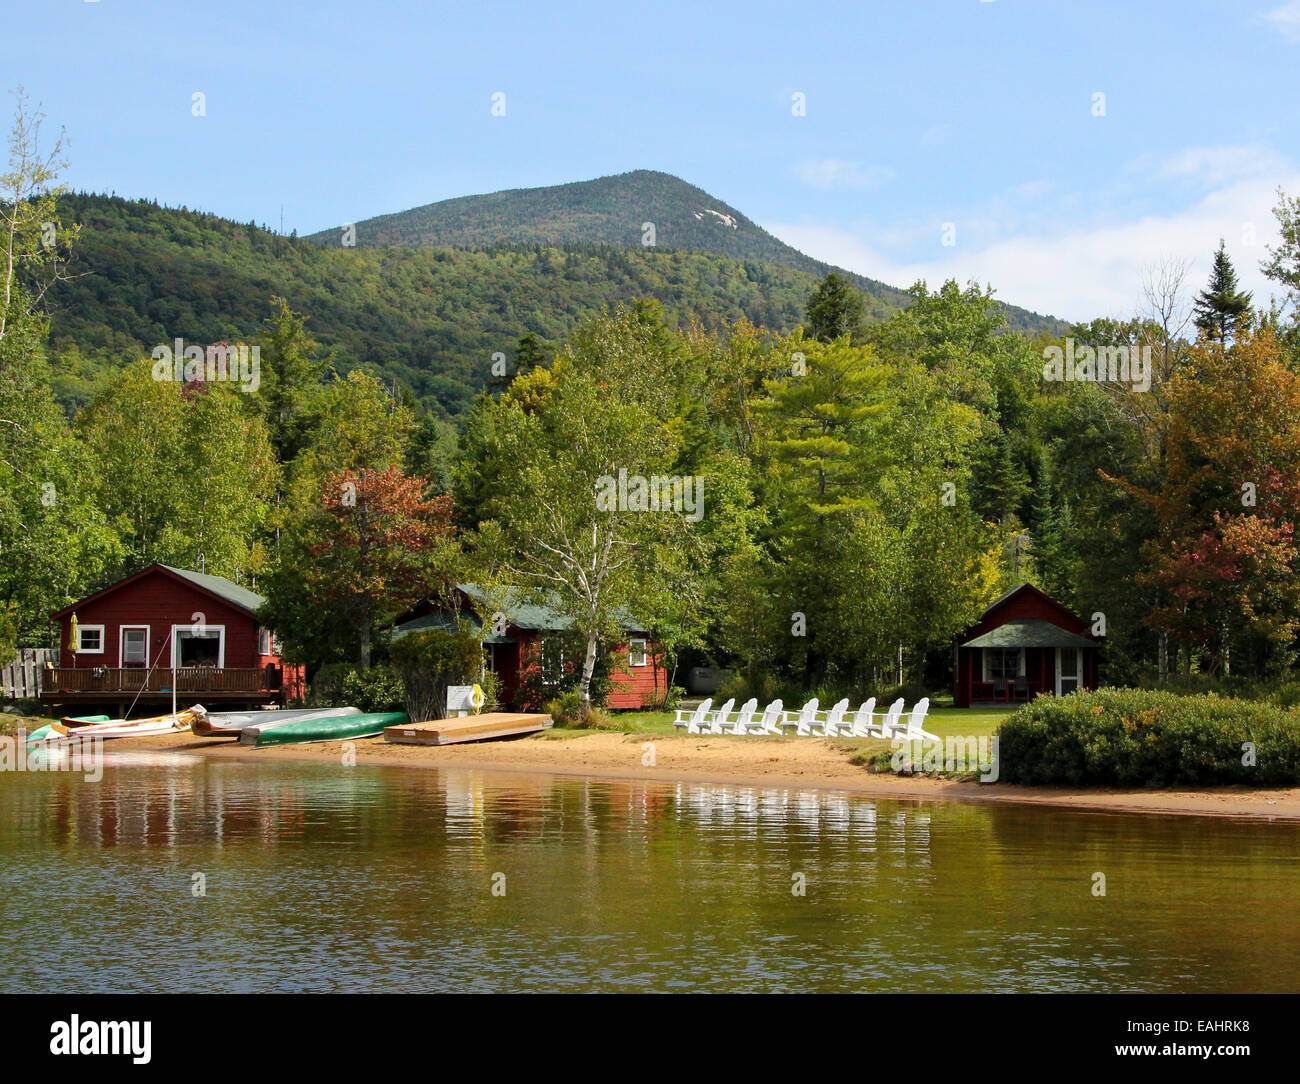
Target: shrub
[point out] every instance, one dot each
(326, 689)
(668, 700)
(565, 711)
(376, 689)
(910, 694)
(1144, 737)
(430, 660)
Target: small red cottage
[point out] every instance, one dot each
(124, 646)
(1025, 643)
(526, 650)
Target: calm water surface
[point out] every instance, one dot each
(323, 878)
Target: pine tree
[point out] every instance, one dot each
(1222, 310)
(834, 309)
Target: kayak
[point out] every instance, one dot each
(229, 724)
(335, 727)
(58, 733)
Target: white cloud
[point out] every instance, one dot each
(1076, 269)
(1286, 20)
(837, 173)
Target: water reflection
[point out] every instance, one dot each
(322, 878)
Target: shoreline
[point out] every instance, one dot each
(789, 763)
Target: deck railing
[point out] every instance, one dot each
(191, 679)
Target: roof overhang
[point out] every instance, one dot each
(1030, 632)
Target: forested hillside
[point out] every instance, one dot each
(616, 211)
(430, 318)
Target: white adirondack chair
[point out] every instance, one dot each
(835, 718)
(803, 722)
(772, 718)
(913, 728)
(718, 720)
(745, 716)
(890, 723)
(864, 719)
(692, 720)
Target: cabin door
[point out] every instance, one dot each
(1069, 669)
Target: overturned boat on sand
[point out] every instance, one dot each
(332, 727)
(230, 724)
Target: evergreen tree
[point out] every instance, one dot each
(529, 354)
(834, 309)
(1222, 310)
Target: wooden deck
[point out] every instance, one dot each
(497, 724)
(227, 685)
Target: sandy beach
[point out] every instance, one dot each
(803, 763)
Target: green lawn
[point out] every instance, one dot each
(964, 722)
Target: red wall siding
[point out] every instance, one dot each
(639, 680)
(159, 601)
(1024, 605)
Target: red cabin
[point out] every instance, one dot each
(1026, 643)
(162, 629)
(524, 648)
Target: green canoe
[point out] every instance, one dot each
(325, 728)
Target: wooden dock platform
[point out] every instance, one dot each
(495, 724)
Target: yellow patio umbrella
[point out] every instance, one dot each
(74, 642)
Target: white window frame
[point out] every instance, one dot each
(81, 632)
(1077, 676)
(220, 630)
(558, 641)
(984, 662)
(121, 643)
(632, 652)
(265, 641)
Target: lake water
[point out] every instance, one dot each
(321, 878)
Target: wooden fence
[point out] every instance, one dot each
(21, 679)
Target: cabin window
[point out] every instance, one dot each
(636, 652)
(552, 660)
(206, 647)
(1003, 663)
(264, 642)
(135, 645)
(90, 639)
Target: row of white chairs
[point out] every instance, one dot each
(808, 721)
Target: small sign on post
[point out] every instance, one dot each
(460, 700)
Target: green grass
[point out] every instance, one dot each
(9, 724)
(972, 722)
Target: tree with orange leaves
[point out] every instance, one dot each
(372, 547)
(1225, 553)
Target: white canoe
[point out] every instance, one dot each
(60, 733)
(230, 724)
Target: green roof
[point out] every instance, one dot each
(447, 622)
(222, 588)
(525, 611)
(1030, 632)
(522, 610)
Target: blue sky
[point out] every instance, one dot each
(918, 114)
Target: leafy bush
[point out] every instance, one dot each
(910, 694)
(429, 661)
(1287, 695)
(668, 700)
(326, 689)
(376, 689)
(740, 687)
(1143, 737)
(565, 711)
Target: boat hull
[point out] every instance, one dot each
(62, 734)
(328, 728)
(230, 724)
